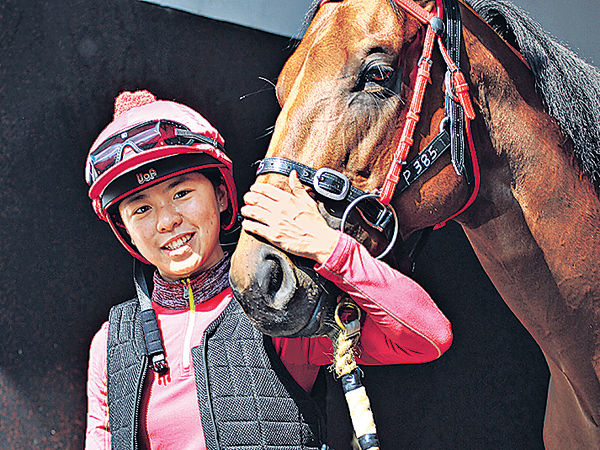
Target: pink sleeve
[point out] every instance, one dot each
(403, 324)
(97, 434)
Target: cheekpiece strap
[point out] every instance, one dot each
(412, 170)
(454, 110)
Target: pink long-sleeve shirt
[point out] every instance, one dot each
(403, 325)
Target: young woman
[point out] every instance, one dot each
(159, 176)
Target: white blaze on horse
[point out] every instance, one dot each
(521, 169)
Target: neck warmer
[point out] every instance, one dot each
(204, 286)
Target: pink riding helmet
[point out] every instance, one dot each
(147, 142)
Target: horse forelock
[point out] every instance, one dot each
(568, 86)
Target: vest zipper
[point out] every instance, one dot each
(213, 422)
(187, 341)
(138, 399)
(203, 350)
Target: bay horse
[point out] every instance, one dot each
(531, 185)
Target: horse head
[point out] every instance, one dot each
(345, 95)
(351, 102)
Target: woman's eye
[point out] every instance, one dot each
(141, 209)
(180, 194)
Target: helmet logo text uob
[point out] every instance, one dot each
(146, 177)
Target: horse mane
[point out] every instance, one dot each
(568, 86)
(308, 17)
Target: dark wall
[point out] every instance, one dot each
(61, 65)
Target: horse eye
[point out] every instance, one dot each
(380, 74)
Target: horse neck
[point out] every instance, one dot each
(535, 226)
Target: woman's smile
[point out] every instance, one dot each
(178, 243)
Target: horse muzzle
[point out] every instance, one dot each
(280, 296)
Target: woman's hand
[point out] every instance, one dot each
(291, 221)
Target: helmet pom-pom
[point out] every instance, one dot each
(127, 100)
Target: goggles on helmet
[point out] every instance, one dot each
(138, 139)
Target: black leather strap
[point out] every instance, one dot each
(333, 185)
(351, 381)
(152, 336)
(330, 184)
(367, 441)
(454, 110)
(336, 186)
(326, 182)
(416, 167)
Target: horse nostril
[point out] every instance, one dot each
(274, 277)
(276, 280)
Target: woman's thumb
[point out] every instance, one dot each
(296, 185)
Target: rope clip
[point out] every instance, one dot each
(352, 328)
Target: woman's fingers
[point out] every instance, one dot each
(298, 189)
(259, 200)
(261, 207)
(270, 191)
(258, 228)
(253, 212)
(289, 220)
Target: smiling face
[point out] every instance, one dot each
(175, 224)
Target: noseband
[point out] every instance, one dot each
(333, 185)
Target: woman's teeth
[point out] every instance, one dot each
(179, 242)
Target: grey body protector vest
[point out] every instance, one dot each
(248, 400)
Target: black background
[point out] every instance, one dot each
(61, 65)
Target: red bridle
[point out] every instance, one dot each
(461, 91)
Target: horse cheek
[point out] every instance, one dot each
(432, 201)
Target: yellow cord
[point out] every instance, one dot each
(347, 338)
(345, 363)
(190, 294)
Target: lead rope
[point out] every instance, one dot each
(344, 366)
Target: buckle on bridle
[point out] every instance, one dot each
(383, 219)
(331, 184)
